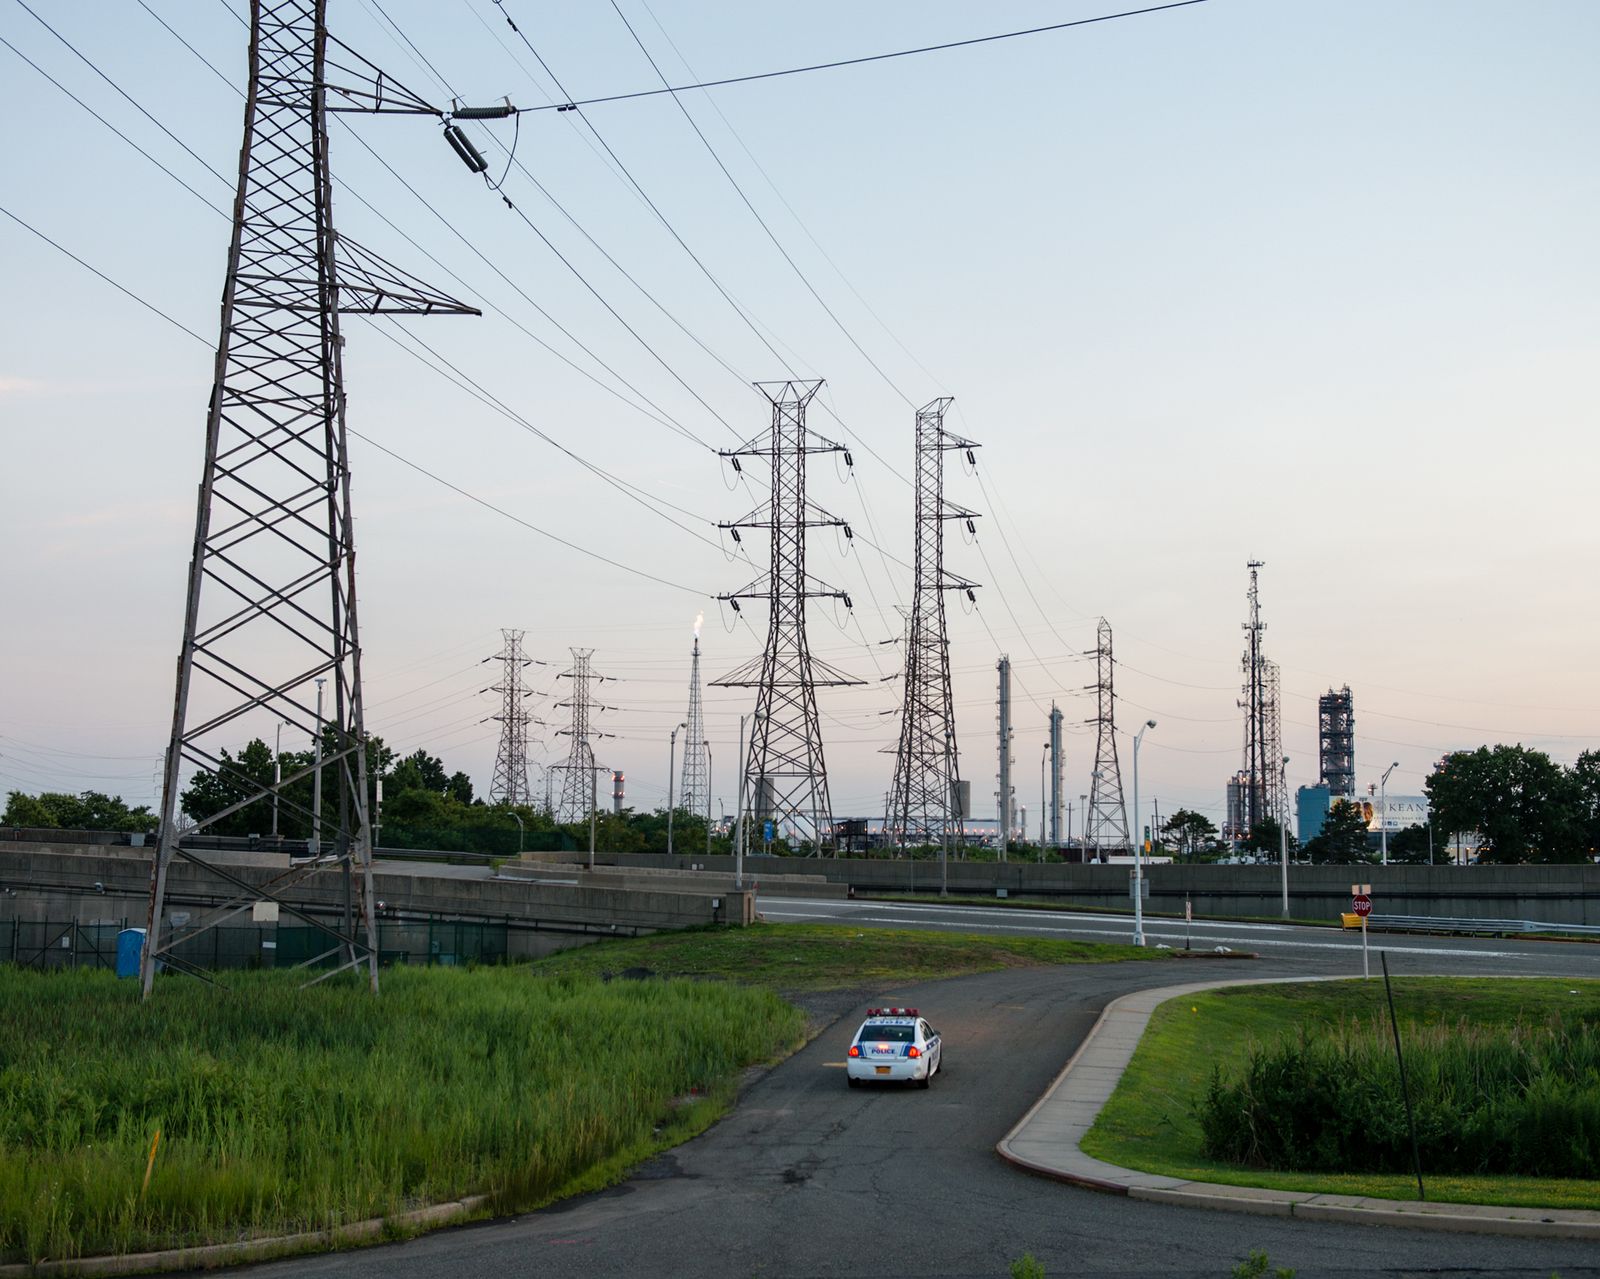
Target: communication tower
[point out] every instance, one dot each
(694, 782)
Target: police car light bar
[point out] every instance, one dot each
(891, 1012)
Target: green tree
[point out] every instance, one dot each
(1190, 833)
(1586, 786)
(87, 810)
(1523, 806)
(1344, 836)
(420, 771)
(1410, 845)
(1265, 837)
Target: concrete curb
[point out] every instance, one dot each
(205, 1256)
(1046, 1141)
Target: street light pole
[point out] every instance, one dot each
(707, 746)
(1283, 839)
(1383, 811)
(672, 750)
(277, 773)
(1083, 835)
(1138, 843)
(738, 817)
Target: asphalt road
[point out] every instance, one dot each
(809, 1178)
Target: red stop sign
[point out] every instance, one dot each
(1361, 904)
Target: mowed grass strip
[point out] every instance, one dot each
(1152, 1122)
(282, 1110)
(814, 957)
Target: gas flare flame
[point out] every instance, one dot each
(698, 619)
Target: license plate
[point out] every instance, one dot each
(883, 1070)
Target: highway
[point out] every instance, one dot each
(809, 1178)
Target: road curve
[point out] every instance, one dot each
(809, 1178)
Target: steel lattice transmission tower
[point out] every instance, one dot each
(694, 781)
(926, 767)
(1106, 824)
(785, 776)
(578, 771)
(1254, 779)
(271, 609)
(510, 785)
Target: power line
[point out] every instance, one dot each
(860, 61)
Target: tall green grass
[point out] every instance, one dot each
(1520, 1099)
(283, 1110)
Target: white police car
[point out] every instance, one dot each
(893, 1044)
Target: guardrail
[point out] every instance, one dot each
(1482, 927)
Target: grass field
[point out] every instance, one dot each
(282, 1111)
(809, 957)
(1152, 1121)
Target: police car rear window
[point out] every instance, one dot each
(889, 1034)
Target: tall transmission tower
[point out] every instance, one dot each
(694, 780)
(1106, 823)
(926, 766)
(270, 615)
(784, 771)
(1336, 743)
(578, 781)
(1055, 776)
(510, 785)
(1006, 794)
(1258, 763)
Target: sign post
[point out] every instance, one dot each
(1361, 904)
(1188, 924)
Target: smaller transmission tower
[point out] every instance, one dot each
(1055, 776)
(694, 781)
(510, 785)
(1106, 824)
(578, 781)
(1007, 793)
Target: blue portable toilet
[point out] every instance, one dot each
(130, 950)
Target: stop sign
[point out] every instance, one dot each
(1361, 904)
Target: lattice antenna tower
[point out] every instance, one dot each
(1258, 763)
(926, 767)
(1277, 787)
(510, 785)
(1106, 826)
(578, 783)
(270, 616)
(785, 775)
(694, 779)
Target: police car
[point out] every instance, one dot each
(893, 1044)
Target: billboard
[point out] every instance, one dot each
(1396, 813)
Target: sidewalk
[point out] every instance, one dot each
(1045, 1141)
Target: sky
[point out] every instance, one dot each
(1311, 284)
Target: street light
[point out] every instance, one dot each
(1383, 811)
(1083, 817)
(1138, 843)
(316, 781)
(672, 749)
(707, 746)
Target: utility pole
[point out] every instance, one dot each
(271, 599)
(926, 765)
(1105, 822)
(1003, 667)
(784, 768)
(510, 785)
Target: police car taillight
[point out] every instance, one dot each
(913, 1051)
(854, 1051)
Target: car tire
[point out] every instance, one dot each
(925, 1080)
(852, 1081)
